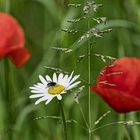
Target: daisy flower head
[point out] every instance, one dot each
(49, 88)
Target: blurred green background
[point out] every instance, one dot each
(42, 21)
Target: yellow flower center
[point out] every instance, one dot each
(57, 89)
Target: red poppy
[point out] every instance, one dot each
(12, 40)
(119, 84)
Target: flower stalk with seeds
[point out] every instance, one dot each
(65, 50)
(104, 115)
(78, 93)
(103, 58)
(93, 32)
(57, 70)
(89, 8)
(74, 5)
(100, 20)
(73, 32)
(81, 57)
(76, 20)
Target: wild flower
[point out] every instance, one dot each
(119, 84)
(55, 87)
(12, 40)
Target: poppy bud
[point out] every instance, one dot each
(12, 40)
(119, 84)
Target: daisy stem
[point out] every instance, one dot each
(126, 127)
(64, 120)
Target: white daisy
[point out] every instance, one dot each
(55, 87)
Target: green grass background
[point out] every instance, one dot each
(42, 21)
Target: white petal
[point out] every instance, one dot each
(66, 84)
(64, 80)
(43, 80)
(73, 85)
(37, 91)
(70, 76)
(36, 95)
(41, 99)
(48, 100)
(40, 85)
(35, 88)
(48, 78)
(63, 92)
(59, 97)
(54, 78)
(60, 77)
(74, 78)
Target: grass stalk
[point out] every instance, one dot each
(89, 81)
(83, 115)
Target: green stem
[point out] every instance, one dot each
(85, 120)
(126, 128)
(64, 120)
(135, 130)
(8, 117)
(89, 81)
(89, 93)
(120, 128)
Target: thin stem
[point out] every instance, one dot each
(89, 81)
(64, 120)
(85, 120)
(76, 122)
(89, 93)
(106, 125)
(126, 128)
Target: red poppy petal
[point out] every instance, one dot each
(19, 56)
(11, 34)
(120, 101)
(127, 82)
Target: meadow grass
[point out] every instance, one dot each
(46, 27)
